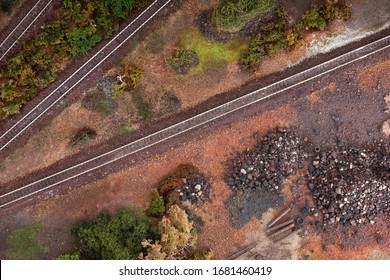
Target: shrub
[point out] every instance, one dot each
(318, 17)
(232, 15)
(124, 131)
(118, 237)
(72, 256)
(182, 61)
(6, 5)
(82, 135)
(156, 207)
(203, 255)
(313, 18)
(176, 234)
(270, 40)
(275, 36)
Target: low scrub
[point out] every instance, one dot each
(275, 36)
(82, 135)
(232, 15)
(182, 61)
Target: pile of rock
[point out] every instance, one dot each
(195, 189)
(277, 155)
(351, 186)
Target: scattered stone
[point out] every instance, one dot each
(276, 156)
(195, 189)
(381, 240)
(351, 185)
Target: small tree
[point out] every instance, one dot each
(176, 234)
(114, 238)
(156, 207)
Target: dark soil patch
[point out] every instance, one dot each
(99, 102)
(169, 103)
(335, 118)
(82, 135)
(107, 85)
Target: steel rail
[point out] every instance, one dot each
(193, 122)
(15, 40)
(84, 73)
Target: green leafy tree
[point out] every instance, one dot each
(114, 238)
(80, 41)
(119, 7)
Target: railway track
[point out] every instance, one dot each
(75, 78)
(23, 26)
(102, 160)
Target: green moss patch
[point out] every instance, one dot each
(209, 52)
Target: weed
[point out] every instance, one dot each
(82, 135)
(24, 244)
(182, 61)
(142, 105)
(232, 15)
(124, 130)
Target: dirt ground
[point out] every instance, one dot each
(362, 83)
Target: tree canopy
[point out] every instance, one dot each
(117, 238)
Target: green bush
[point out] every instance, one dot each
(74, 31)
(182, 61)
(232, 15)
(113, 238)
(6, 5)
(317, 17)
(82, 135)
(271, 39)
(313, 18)
(156, 207)
(70, 257)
